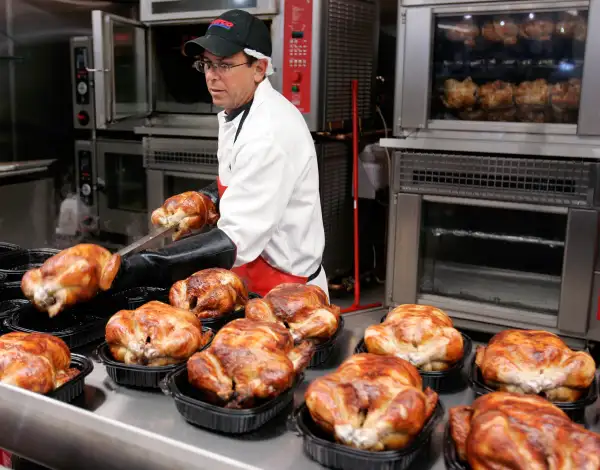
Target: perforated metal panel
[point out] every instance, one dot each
(352, 29)
(181, 154)
(533, 180)
(335, 186)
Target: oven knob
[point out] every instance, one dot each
(83, 118)
(297, 77)
(86, 189)
(82, 88)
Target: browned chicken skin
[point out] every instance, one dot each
(304, 309)
(71, 276)
(496, 95)
(190, 211)
(507, 431)
(502, 30)
(155, 334)
(574, 27)
(35, 361)
(460, 95)
(465, 31)
(534, 93)
(539, 29)
(420, 334)
(535, 362)
(565, 95)
(210, 293)
(248, 361)
(371, 402)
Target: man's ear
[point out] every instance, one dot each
(260, 70)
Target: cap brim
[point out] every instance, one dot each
(214, 44)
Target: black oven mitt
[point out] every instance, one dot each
(162, 268)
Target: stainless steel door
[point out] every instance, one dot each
(120, 69)
(122, 201)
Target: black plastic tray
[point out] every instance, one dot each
(8, 247)
(321, 448)
(15, 264)
(73, 388)
(443, 381)
(450, 454)
(76, 326)
(11, 290)
(7, 308)
(324, 350)
(133, 375)
(574, 409)
(216, 418)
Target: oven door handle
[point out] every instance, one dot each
(100, 185)
(97, 70)
(497, 204)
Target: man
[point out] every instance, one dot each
(270, 227)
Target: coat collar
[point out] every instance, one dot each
(259, 97)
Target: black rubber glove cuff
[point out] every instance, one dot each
(212, 191)
(161, 268)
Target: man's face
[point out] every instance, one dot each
(232, 88)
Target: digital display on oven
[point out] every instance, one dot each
(200, 5)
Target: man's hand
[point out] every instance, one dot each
(189, 211)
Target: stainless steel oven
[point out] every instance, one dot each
(111, 180)
(496, 241)
(132, 74)
(521, 76)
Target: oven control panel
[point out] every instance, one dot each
(82, 82)
(297, 52)
(86, 183)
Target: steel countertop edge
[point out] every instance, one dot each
(119, 428)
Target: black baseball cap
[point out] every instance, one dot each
(231, 33)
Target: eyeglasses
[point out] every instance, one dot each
(204, 65)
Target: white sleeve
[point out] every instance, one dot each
(258, 192)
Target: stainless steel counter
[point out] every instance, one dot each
(155, 415)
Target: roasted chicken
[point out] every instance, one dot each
(539, 29)
(190, 211)
(502, 30)
(460, 95)
(155, 334)
(420, 334)
(565, 95)
(465, 32)
(371, 402)
(248, 361)
(572, 26)
(35, 361)
(71, 276)
(496, 95)
(504, 431)
(304, 309)
(210, 293)
(535, 362)
(533, 93)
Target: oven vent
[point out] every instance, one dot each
(181, 155)
(350, 54)
(531, 180)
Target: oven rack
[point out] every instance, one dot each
(440, 231)
(558, 182)
(180, 154)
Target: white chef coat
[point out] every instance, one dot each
(271, 207)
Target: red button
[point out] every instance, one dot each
(297, 77)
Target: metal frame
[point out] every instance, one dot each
(412, 125)
(116, 220)
(580, 248)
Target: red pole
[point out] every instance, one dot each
(356, 305)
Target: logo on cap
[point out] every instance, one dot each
(222, 24)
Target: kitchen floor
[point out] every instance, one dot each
(368, 295)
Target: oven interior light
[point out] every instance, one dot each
(502, 23)
(531, 16)
(566, 66)
(468, 17)
(562, 30)
(572, 12)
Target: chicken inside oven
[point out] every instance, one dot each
(37, 362)
(535, 362)
(460, 95)
(304, 309)
(507, 430)
(248, 362)
(210, 293)
(155, 334)
(371, 402)
(420, 334)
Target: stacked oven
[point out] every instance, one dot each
(494, 213)
(152, 121)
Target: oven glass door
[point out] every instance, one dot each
(122, 201)
(495, 256)
(179, 87)
(176, 183)
(121, 72)
(521, 65)
(169, 10)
